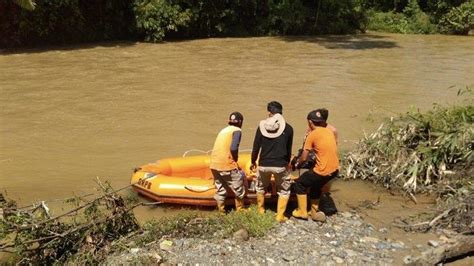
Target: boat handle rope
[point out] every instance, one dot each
(197, 190)
(209, 151)
(196, 150)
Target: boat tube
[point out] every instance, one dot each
(188, 180)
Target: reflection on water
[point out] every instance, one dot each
(69, 115)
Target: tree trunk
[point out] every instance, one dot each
(457, 247)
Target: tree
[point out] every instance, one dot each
(26, 4)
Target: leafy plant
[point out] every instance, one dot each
(459, 20)
(411, 20)
(158, 17)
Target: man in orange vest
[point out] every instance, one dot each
(224, 165)
(323, 141)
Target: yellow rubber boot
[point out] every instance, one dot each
(301, 212)
(281, 207)
(239, 204)
(316, 215)
(221, 207)
(261, 203)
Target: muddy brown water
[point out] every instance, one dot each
(69, 114)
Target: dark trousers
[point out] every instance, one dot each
(314, 182)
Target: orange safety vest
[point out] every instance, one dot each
(323, 141)
(221, 158)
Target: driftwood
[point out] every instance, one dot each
(457, 247)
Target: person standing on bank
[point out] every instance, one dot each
(224, 165)
(273, 141)
(323, 141)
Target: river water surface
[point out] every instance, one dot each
(69, 114)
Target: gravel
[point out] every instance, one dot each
(343, 239)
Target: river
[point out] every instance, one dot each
(70, 114)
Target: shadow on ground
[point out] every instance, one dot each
(355, 42)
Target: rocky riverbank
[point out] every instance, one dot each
(343, 238)
(363, 232)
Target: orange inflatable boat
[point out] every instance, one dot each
(188, 180)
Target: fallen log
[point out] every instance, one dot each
(458, 247)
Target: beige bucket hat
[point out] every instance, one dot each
(273, 126)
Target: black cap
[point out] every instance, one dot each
(235, 118)
(275, 107)
(324, 113)
(316, 116)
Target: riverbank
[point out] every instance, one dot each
(362, 232)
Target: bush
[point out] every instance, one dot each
(387, 22)
(418, 151)
(65, 21)
(459, 20)
(411, 20)
(158, 17)
(418, 21)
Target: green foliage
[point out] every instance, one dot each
(26, 4)
(193, 224)
(459, 20)
(411, 20)
(65, 21)
(158, 17)
(257, 225)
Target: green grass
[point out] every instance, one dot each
(194, 224)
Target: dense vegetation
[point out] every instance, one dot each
(33, 23)
(71, 21)
(421, 16)
(65, 21)
(424, 152)
(92, 229)
(419, 152)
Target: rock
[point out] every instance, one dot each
(269, 260)
(325, 252)
(382, 246)
(166, 245)
(155, 256)
(338, 260)
(179, 243)
(288, 258)
(346, 215)
(407, 260)
(283, 232)
(356, 223)
(271, 240)
(383, 230)
(335, 243)
(399, 245)
(433, 243)
(351, 253)
(341, 254)
(368, 239)
(241, 235)
(134, 250)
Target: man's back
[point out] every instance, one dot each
(274, 151)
